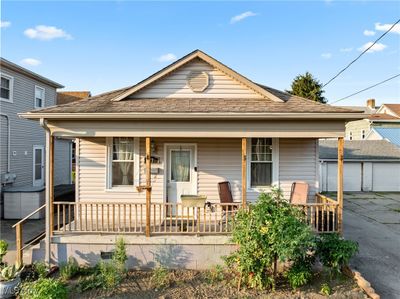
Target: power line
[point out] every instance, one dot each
(372, 86)
(362, 53)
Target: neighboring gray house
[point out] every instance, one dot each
(387, 116)
(369, 165)
(22, 147)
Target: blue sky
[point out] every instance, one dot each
(100, 46)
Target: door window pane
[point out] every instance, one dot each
(38, 171)
(180, 166)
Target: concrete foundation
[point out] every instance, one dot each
(189, 252)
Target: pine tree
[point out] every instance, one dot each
(308, 87)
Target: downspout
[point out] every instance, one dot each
(43, 124)
(8, 142)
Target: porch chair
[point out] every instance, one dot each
(225, 196)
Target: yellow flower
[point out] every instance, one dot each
(264, 230)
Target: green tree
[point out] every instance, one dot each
(308, 87)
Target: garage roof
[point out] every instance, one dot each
(360, 150)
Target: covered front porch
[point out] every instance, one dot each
(147, 210)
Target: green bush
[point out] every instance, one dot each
(85, 283)
(160, 277)
(41, 268)
(69, 269)
(334, 251)
(298, 275)
(325, 289)
(3, 250)
(44, 288)
(270, 230)
(106, 275)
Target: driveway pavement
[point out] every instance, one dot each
(373, 220)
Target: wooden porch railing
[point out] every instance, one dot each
(130, 218)
(19, 238)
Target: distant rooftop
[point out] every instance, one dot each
(390, 134)
(360, 150)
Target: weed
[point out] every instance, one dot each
(41, 268)
(325, 289)
(44, 288)
(215, 274)
(160, 277)
(69, 270)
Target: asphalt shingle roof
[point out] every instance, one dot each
(360, 150)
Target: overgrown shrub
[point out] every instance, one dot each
(270, 230)
(44, 288)
(334, 251)
(110, 274)
(69, 269)
(160, 277)
(88, 283)
(325, 289)
(41, 268)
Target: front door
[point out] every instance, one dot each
(181, 176)
(38, 165)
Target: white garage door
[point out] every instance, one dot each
(351, 177)
(386, 177)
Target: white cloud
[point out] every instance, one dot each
(375, 48)
(385, 27)
(326, 55)
(167, 57)
(242, 16)
(5, 24)
(369, 33)
(30, 61)
(346, 49)
(43, 32)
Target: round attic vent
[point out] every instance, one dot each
(198, 81)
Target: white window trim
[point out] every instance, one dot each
(275, 167)
(11, 78)
(136, 161)
(43, 172)
(43, 100)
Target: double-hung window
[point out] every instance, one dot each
(261, 162)
(6, 88)
(363, 134)
(39, 97)
(123, 162)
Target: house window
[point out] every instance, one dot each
(261, 170)
(350, 135)
(123, 166)
(6, 88)
(363, 135)
(39, 97)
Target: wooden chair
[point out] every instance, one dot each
(299, 193)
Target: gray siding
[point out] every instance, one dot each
(217, 160)
(25, 133)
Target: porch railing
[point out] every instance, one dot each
(130, 218)
(171, 218)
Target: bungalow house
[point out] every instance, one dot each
(149, 158)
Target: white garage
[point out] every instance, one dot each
(369, 165)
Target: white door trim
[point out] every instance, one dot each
(34, 181)
(166, 166)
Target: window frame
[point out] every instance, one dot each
(363, 134)
(274, 162)
(350, 136)
(43, 100)
(11, 89)
(136, 166)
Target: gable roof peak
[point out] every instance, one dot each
(208, 59)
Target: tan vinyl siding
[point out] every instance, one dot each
(26, 133)
(217, 160)
(175, 85)
(355, 127)
(298, 161)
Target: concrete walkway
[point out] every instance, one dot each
(373, 220)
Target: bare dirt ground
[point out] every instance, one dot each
(194, 284)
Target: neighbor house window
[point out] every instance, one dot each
(123, 162)
(350, 135)
(363, 135)
(261, 162)
(39, 97)
(6, 88)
